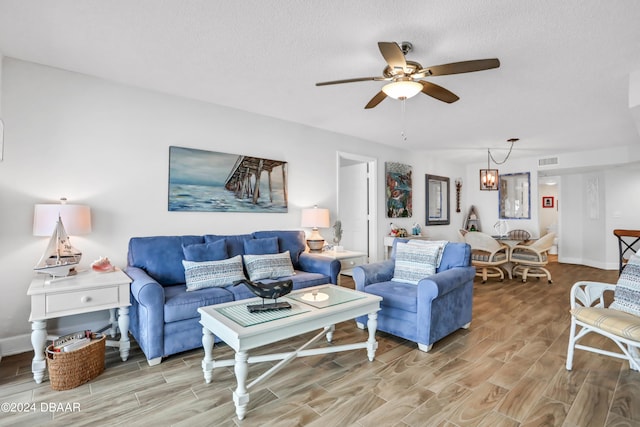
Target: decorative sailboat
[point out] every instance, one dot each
(60, 257)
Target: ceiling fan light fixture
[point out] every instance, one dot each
(403, 89)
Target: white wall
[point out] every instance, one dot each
(106, 145)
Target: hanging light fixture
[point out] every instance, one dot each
(488, 176)
(402, 88)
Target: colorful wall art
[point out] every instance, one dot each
(398, 190)
(209, 181)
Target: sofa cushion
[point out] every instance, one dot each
(234, 242)
(180, 305)
(626, 296)
(161, 256)
(209, 274)
(269, 266)
(213, 251)
(267, 245)
(288, 240)
(414, 262)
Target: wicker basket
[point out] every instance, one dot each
(71, 369)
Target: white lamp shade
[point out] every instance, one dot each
(402, 89)
(315, 218)
(76, 219)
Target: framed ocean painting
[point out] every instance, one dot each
(210, 181)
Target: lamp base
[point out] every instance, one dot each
(315, 245)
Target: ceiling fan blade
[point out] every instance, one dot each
(380, 96)
(461, 67)
(393, 55)
(358, 79)
(438, 92)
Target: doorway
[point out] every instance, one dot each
(356, 203)
(548, 219)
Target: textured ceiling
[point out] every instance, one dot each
(562, 85)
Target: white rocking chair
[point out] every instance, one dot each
(588, 311)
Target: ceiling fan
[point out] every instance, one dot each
(404, 76)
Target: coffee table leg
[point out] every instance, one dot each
(207, 362)
(330, 330)
(372, 344)
(240, 396)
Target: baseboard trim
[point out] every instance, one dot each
(15, 345)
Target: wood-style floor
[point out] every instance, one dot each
(508, 369)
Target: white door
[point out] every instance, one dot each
(356, 202)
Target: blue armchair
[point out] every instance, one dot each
(427, 311)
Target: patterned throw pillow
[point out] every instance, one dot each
(626, 296)
(439, 243)
(415, 262)
(211, 274)
(269, 266)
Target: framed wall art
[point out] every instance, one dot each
(398, 190)
(547, 201)
(209, 181)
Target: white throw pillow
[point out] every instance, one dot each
(268, 266)
(440, 243)
(626, 296)
(209, 274)
(414, 262)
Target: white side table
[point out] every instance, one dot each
(348, 260)
(86, 292)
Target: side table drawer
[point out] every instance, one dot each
(349, 263)
(66, 301)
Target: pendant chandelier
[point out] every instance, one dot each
(488, 176)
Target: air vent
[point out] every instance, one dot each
(549, 161)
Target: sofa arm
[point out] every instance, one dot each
(445, 282)
(318, 264)
(149, 295)
(366, 274)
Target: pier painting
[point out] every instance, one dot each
(209, 181)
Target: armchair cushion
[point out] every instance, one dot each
(208, 274)
(199, 252)
(626, 296)
(613, 321)
(269, 266)
(415, 262)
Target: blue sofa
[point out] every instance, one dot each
(424, 313)
(163, 315)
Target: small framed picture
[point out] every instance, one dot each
(547, 202)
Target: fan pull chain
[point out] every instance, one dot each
(403, 121)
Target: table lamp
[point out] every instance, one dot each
(315, 218)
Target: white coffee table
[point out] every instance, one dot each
(320, 307)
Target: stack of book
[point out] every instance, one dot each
(73, 341)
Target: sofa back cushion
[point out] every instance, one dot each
(234, 242)
(200, 252)
(267, 245)
(288, 240)
(161, 256)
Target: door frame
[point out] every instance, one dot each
(372, 177)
